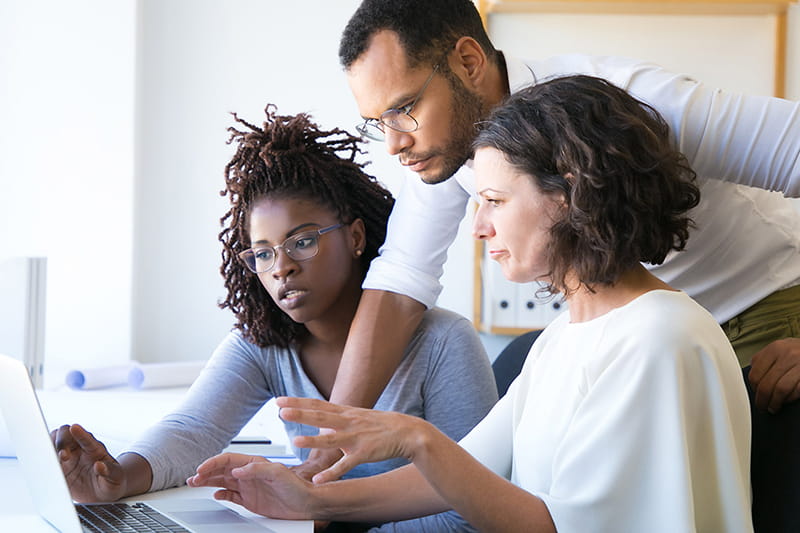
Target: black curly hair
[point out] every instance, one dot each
(290, 157)
(427, 28)
(611, 158)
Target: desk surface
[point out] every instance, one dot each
(117, 416)
(120, 415)
(16, 506)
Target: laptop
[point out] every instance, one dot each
(40, 466)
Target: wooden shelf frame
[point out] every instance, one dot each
(710, 7)
(776, 8)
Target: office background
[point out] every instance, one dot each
(113, 142)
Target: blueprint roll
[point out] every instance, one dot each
(99, 377)
(155, 375)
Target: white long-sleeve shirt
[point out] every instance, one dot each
(747, 241)
(620, 424)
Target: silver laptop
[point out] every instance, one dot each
(41, 469)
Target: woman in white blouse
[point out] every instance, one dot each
(630, 413)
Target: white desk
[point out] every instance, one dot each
(121, 414)
(118, 416)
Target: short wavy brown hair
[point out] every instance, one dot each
(611, 158)
(290, 157)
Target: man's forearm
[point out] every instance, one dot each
(381, 330)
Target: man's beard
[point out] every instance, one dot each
(468, 109)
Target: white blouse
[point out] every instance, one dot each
(635, 421)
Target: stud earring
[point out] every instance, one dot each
(359, 252)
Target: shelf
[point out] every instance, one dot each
(773, 8)
(682, 7)
(776, 8)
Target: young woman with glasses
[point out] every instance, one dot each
(304, 223)
(630, 413)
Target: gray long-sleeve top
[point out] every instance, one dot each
(445, 377)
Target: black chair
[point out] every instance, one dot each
(509, 362)
(775, 467)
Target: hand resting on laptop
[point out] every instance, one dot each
(93, 474)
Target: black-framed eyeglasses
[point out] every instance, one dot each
(396, 119)
(300, 247)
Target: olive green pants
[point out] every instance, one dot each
(775, 317)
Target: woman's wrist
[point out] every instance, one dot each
(137, 474)
(324, 501)
(422, 436)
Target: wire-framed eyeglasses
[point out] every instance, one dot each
(398, 119)
(300, 247)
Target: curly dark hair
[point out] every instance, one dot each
(611, 157)
(290, 157)
(426, 28)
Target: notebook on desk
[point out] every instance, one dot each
(42, 471)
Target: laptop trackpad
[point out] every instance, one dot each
(206, 516)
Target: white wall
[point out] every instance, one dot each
(133, 262)
(198, 61)
(66, 164)
(733, 52)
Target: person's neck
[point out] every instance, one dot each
(497, 87)
(323, 338)
(502, 67)
(321, 351)
(585, 305)
(330, 333)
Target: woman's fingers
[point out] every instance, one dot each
(218, 470)
(230, 496)
(88, 443)
(315, 417)
(262, 472)
(62, 438)
(323, 440)
(225, 462)
(308, 403)
(337, 470)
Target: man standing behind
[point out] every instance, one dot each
(423, 72)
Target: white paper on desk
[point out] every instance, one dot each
(99, 377)
(153, 375)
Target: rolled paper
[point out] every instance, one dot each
(97, 378)
(154, 375)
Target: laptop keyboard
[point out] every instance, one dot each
(125, 518)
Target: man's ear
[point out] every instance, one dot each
(469, 63)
